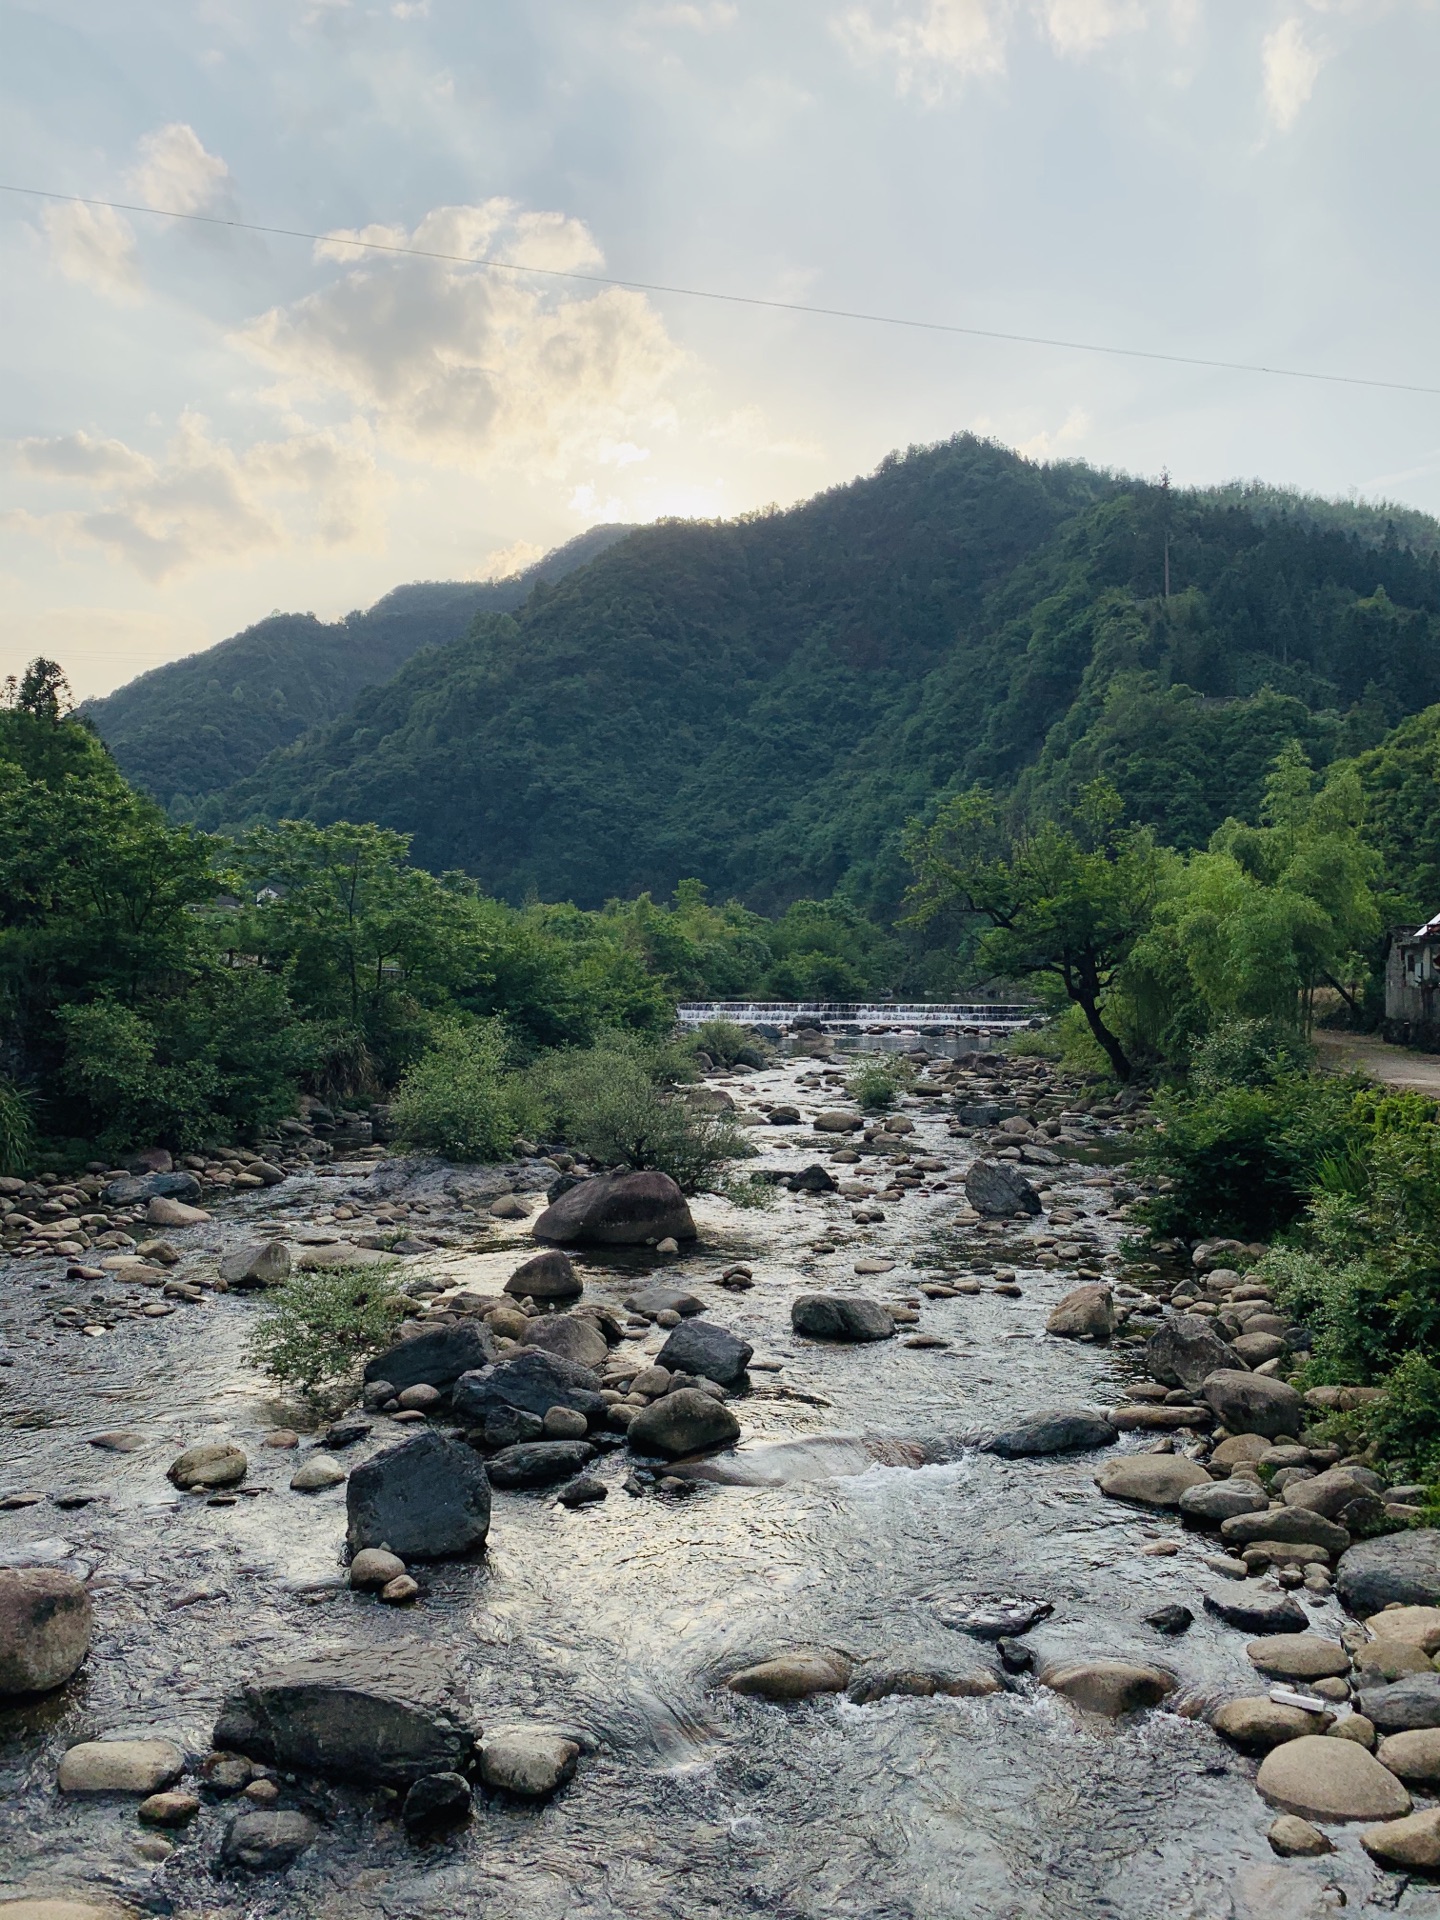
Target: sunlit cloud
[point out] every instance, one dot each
(1291, 65)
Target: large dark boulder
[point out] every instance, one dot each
(813, 1179)
(841, 1316)
(700, 1347)
(1060, 1430)
(1292, 1526)
(1186, 1350)
(546, 1276)
(617, 1210)
(1413, 1701)
(997, 1188)
(1255, 1611)
(45, 1627)
(266, 1842)
(539, 1463)
(131, 1188)
(685, 1421)
(434, 1358)
(533, 1381)
(655, 1300)
(1253, 1403)
(386, 1714)
(426, 1499)
(575, 1337)
(1403, 1567)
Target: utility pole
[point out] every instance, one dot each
(1165, 493)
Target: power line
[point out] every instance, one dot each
(490, 264)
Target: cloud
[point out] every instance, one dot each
(174, 171)
(1291, 66)
(1079, 26)
(95, 246)
(505, 562)
(471, 367)
(928, 46)
(712, 17)
(203, 502)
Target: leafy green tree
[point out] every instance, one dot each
(1065, 903)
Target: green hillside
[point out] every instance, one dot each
(197, 725)
(763, 703)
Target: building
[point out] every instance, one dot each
(1412, 986)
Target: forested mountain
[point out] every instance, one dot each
(763, 703)
(196, 725)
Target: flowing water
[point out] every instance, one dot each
(855, 1516)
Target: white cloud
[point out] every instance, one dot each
(174, 171)
(505, 562)
(1079, 26)
(95, 246)
(473, 367)
(713, 17)
(203, 502)
(1291, 66)
(928, 46)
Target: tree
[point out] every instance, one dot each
(1064, 902)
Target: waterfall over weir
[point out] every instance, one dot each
(858, 1016)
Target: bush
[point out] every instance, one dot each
(17, 1130)
(460, 1098)
(317, 1330)
(1405, 1424)
(1247, 1053)
(878, 1082)
(728, 1044)
(751, 1191)
(608, 1102)
(1243, 1160)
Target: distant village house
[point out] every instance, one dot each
(1412, 979)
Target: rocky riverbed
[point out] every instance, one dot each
(889, 1655)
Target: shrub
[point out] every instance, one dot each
(607, 1103)
(878, 1082)
(460, 1098)
(728, 1044)
(750, 1190)
(17, 1129)
(1405, 1424)
(318, 1329)
(1247, 1053)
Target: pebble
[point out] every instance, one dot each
(373, 1568)
(1294, 1838)
(400, 1591)
(120, 1766)
(317, 1473)
(172, 1809)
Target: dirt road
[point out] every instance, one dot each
(1395, 1066)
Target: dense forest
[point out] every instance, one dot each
(195, 726)
(764, 703)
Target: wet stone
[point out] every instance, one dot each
(531, 1763)
(120, 1766)
(793, 1676)
(267, 1842)
(436, 1801)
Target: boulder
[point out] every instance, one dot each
(425, 1499)
(339, 1253)
(1413, 1842)
(385, 1715)
(683, 1422)
(617, 1210)
(1413, 1756)
(1253, 1403)
(531, 1381)
(120, 1766)
(841, 1316)
(835, 1122)
(1254, 1349)
(436, 1800)
(1298, 1656)
(529, 1761)
(267, 1842)
(1257, 1723)
(538, 1463)
(1223, 1500)
(373, 1568)
(571, 1336)
(1403, 1567)
(1150, 1479)
(1085, 1313)
(1290, 1524)
(1324, 1779)
(999, 1190)
(700, 1347)
(1295, 1839)
(434, 1356)
(546, 1276)
(216, 1465)
(1111, 1687)
(793, 1676)
(1186, 1350)
(129, 1191)
(320, 1472)
(813, 1179)
(168, 1809)
(1414, 1626)
(265, 1265)
(1330, 1493)
(1255, 1611)
(1241, 1449)
(651, 1301)
(1059, 1430)
(1401, 1705)
(45, 1627)
(162, 1212)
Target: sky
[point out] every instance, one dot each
(202, 424)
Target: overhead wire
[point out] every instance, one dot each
(492, 264)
